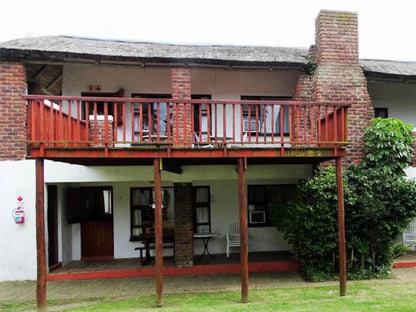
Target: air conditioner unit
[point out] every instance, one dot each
(257, 217)
(253, 124)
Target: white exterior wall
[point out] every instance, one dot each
(220, 83)
(224, 199)
(398, 97)
(18, 241)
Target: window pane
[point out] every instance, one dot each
(202, 215)
(202, 195)
(136, 231)
(256, 194)
(137, 217)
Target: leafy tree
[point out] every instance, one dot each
(388, 145)
(379, 204)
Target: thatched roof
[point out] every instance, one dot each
(383, 68)
(61, 47)
(58, 48)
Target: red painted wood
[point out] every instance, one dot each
(243, 229)
(341, 229)
(40, 235)
(409, 264)
(158, 232)
(52, 127)
(235, 268)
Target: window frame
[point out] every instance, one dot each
(286, 113)
(201, 205)
(382, 112)
(285, 189)
(150, 207)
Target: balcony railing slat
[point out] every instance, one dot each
(76, 122)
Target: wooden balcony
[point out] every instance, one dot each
(78, 129)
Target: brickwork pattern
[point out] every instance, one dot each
(97, 132)
(13, 112)
(182, 118)
(184, 248)
(338, 76)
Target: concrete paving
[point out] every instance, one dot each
(133, 287)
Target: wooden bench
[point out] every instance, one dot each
(144, 259)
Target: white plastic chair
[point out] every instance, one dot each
(409, 236)
(233, 237)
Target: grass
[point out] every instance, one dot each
(361, 297)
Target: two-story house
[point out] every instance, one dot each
(114, 141)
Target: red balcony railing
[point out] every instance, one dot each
(55, 122)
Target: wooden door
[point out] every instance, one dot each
(92, 208)
(97, 240)
(97, 224)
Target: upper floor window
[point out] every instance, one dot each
(151, 118)
(265, 119)
(201, 112)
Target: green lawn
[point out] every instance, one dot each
(361, 297)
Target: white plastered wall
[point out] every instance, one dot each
(400, 100)
(398, 97)
(18, 241)
(224, 199)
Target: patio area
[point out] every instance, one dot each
(277, 261)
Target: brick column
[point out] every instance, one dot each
(13, 112)
(97, 131)
(184, 241)
(182, 119)
(338, 75)
(303, 92)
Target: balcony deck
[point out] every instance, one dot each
(125, 131)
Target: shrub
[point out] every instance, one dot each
(379, 204)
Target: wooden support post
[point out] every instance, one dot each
(243, 229)
(158, 232)
(40, 236)
(341, 230)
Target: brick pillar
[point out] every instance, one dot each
(184, 241)
(13, 112)
(182, 119)
(97, 131)
(338, 75)
(303, 92)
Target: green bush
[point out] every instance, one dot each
(388, 145)
(379, 204)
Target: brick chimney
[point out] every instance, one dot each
(338, 75)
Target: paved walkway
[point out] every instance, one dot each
(133, 287)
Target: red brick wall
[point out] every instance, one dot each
(338, 75)
(184, 224)
(181, 89)
(13, 111)
(97, 132)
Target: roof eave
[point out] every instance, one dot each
(56, 57)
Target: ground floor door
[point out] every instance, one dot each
(97, 240)
(92, 207)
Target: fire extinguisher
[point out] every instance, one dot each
(19, 215)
